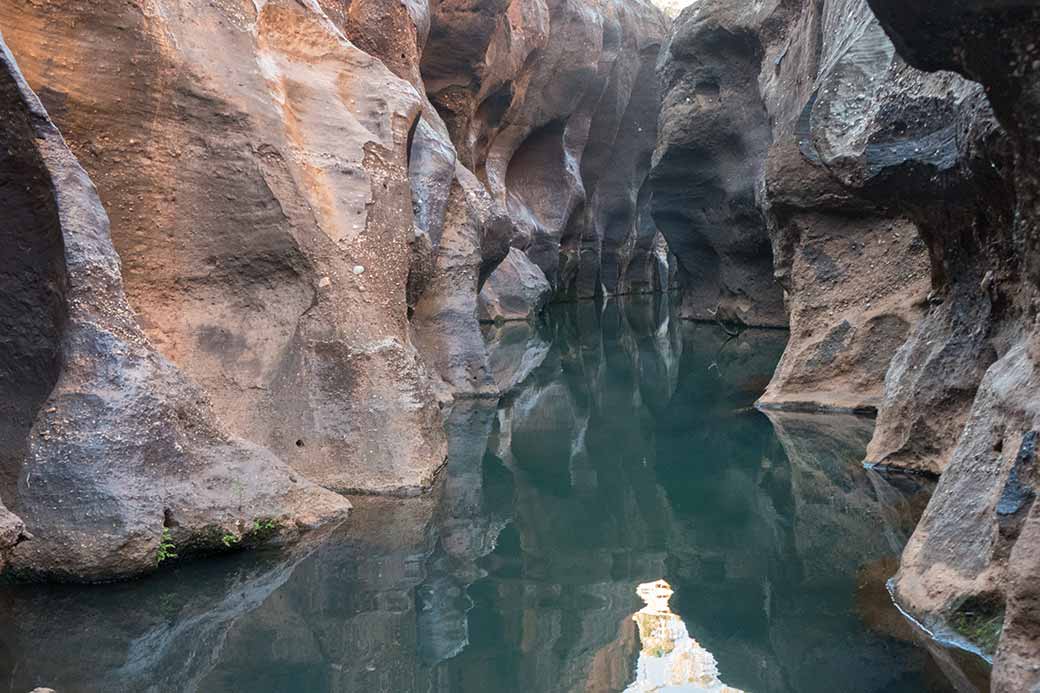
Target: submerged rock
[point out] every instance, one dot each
(124, 452)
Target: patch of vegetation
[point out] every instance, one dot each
(229, 540)
(167, 549)
(980, 619)
(264, 528)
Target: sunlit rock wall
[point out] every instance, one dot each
(122, 451)
(307, 197)
(305, 201)
(255, 166)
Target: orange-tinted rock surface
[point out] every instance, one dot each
(123, 459)
(305, 201)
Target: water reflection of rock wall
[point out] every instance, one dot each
(589, 521)
(165, 634)
(774, 519)
(623, 452)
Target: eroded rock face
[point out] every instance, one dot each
(854, 161)
(985, 496)
(254, 163)
(298, 219)
(809, 98)
(304, 214)
(123, 447)
(553, 105)
(714, 132)
(895, 141)
(516, 290)
(900, 192)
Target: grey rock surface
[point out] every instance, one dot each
(516, 290)
(711, 148)
(894, 161)
(986, 494)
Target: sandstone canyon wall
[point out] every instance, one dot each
(116, 449)
(305, 199)
(710, 149)
(976, 549)
(892, 161)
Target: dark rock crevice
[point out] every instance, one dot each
(32, 284)
(714, 133)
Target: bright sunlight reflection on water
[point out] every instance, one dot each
(670, 660)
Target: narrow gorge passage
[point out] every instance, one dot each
(624, 452)
(520, 345)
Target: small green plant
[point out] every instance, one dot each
(229, 540)
(167, 549)
(265, 528)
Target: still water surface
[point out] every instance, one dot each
(625, 453)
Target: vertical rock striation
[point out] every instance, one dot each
(553, 106)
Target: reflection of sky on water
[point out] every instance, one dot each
(670, 660)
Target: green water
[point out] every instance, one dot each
(626, 453)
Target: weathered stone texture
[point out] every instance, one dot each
(517, 290)
(122, 447)
(986, 494)
(294, 221)
(553, 105)
(714, 133)
(897, 176)
(304, 216)
(254, 163)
